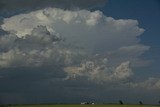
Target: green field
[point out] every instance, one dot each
(81, 106)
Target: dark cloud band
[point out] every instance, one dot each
(67, 4)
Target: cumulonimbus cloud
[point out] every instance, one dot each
(84, 43)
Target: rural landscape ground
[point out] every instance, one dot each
(98, 105)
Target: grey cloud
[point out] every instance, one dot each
(33, 85)
(36, 38)
(40, 38)
(31, 50)
(150, 84)
(91, 23)
(79, 45)
(30, 41)
(33, 4)
(98, 71)
(10, 8)
(131, 53)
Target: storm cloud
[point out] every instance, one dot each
(71, 50)
(83, 43)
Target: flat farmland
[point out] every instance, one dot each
(102, 105)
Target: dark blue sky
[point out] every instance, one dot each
(147, 12)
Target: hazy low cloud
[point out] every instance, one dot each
(150, 84)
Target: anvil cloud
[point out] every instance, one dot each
(81, 42)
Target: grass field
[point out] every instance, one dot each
(81, 106)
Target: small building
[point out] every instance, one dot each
(84, 103)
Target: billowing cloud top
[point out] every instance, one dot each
(81, 42)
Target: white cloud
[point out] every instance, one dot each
(85, 44)
(123, 71)
(98, 71)
(94, 18)
(134, 50)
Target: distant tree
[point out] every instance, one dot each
(140, 102)
(159, 102)
(120, 102)
(87, 103)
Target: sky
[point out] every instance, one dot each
(72, 51)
